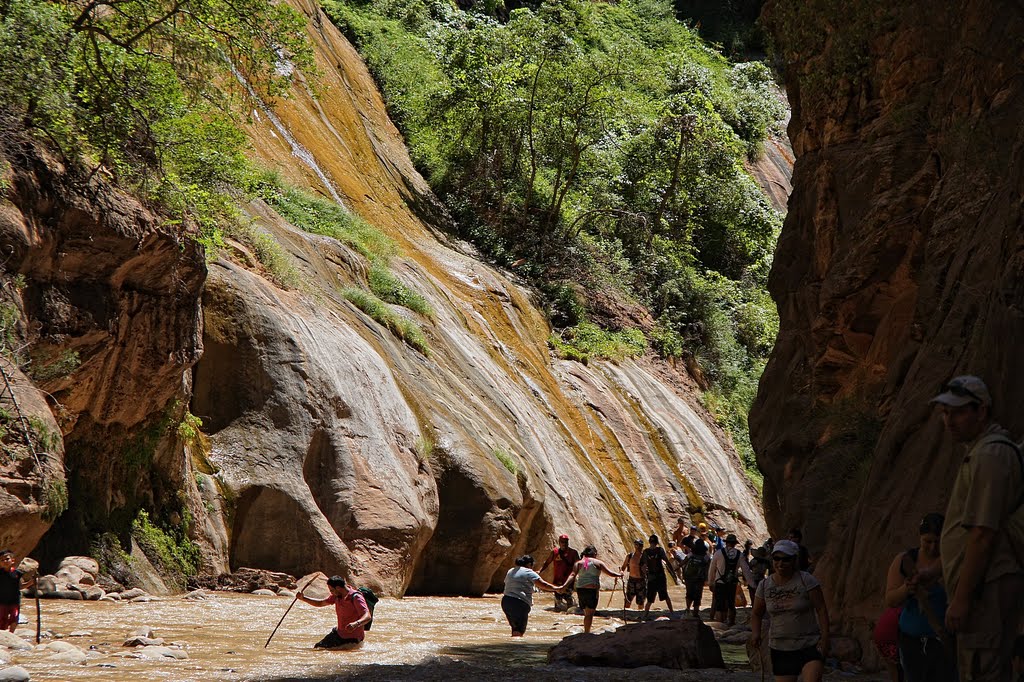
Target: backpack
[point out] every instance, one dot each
(371, 601)
(729, 574)
(1014, 527)
(696, 567)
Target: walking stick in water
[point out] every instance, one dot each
(315, 577)
(39, 618)
(613, 591)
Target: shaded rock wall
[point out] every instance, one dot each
(109, 302)
(901, 264)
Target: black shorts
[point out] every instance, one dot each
(333, 639)
(723, 597)
(694, 589)
(587, 597)
(657, 585)
(517, 612)
(793, 662)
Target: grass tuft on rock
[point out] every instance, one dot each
(407, 330)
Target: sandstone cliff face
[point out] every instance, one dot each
(345, 448)
(901, 264)
(108, 303)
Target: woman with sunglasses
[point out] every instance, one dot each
(798, 637)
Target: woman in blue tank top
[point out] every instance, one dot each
(587, 573)
(915, 583)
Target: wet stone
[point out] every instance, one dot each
(14, 674)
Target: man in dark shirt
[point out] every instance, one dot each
(10, 591)
(654, 562)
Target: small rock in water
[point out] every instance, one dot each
(264, 593)
(112, 596)
(197, 594)
(80, 633)
(285, 593)
(68, 657)
(58, 647)
(141, 599)
(162, 652)
(132, 593)
(144, 631)
(14, 674)
(143, 641)
(9, 640)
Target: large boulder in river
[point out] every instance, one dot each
(680, 644)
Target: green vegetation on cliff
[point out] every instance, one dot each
(599, 148)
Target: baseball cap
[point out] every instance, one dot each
(787, 547)
(563, 536)
(963, 390)
(702, 527)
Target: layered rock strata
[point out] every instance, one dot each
(901, 264)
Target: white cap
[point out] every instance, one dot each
(963, 390)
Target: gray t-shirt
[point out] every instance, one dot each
(519, 583)
(794, 625)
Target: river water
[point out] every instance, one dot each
(423, 638)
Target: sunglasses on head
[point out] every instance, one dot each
(960, 391)
(782, 557)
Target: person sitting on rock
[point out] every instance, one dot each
(587, 574)
(655, 561)
(564, 558)
(12, 581)
(517, 599)
(636, 587)
(351, 609)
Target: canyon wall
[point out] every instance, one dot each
(329, 443)
(900, 265)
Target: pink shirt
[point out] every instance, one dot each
(349, 608)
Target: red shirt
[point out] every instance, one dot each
(350, 608)
(563, 560)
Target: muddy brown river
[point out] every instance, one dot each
(424, 638)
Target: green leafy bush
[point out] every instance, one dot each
(168, 547)
(407, 330)
(388, 288)
(587, 340)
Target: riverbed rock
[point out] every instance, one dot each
(264, 593)
(143, 631)
(143, 641)
(678, 644)
(85, 564)
(93, 593)
(9, 640)
(133, 593)
(162, 652)
(14, 674)
(197, 595)
(141, 599)
(74, 595)
(29, 566)
(46, 584)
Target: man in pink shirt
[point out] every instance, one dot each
(353, 614)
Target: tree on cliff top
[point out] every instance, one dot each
(134, 86)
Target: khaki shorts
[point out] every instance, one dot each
(985, 642)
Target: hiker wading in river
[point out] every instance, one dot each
(351, 609)
(587, 574)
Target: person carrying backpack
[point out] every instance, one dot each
(723, 579)
(352, 612)
(695, 572)
(984, 576)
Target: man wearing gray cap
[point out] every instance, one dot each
(982, 574)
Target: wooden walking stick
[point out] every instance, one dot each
(612, 592)
(310, 582)
(39, 619)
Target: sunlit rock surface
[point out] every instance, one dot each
(318, 415)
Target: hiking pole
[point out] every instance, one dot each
(612, 592)
(39, 618)
(315, 577)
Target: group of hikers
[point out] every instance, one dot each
(955, 602)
